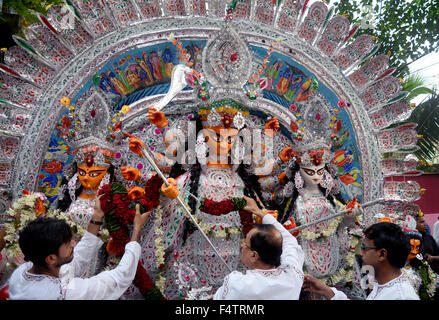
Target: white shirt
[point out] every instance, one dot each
(107, 285)
(282, 283)
(436, 232)
(396, 289)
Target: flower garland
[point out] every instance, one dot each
(217, 231)
(429, 279)
(347, 273)
(28, 208)
(218, 208)
(119, 213)
(160, 251)
(330, 230)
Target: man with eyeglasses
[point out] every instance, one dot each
(274, 259)
(385, 248)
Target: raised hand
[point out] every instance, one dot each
(171, 190)
(139, 221)
(271, 127)
(135, 144)
(157, 117)
(286, 154)
(252, 207)
(130, 173)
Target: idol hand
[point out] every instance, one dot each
(135, 144)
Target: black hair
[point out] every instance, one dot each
(284, 214)
(43, 237)
(389, 236)
(65, 202)
(252, 187)
(267, 246)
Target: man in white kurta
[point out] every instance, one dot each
(56, 281)
(384, 249)
(396, 289)
(24, 285)
(281, 283)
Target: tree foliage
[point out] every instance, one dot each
(408, 29)
(426, 115)
(27, 8)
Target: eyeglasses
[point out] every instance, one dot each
(363, 247)
(312, 172)
(243, 243)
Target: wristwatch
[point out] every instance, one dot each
(99, 223)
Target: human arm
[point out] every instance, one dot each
(314, 285)
(292, 253)
(110, 285)
(432, 259)
(88, 246)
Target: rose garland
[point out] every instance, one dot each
(218, 208)
(119, 213)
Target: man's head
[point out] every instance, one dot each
(385, 243)
(47, 242)
(421, 225)
(261, 246)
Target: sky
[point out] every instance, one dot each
(428, 68)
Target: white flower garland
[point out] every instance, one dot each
(347, 273)
(217, 231)
(332, 227)
(160, 250)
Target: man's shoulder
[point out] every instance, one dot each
(27, 286)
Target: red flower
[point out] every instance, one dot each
(217, 208)
(246, 221)
(53, 166)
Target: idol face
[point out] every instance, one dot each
(91, 177)
(312, 175)
(220, 141)
(415, 244)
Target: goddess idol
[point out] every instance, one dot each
(312, 192)
(93, 153)
(214, 175)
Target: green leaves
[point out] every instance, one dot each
(408, 29)
(117, 187)
(27, 8)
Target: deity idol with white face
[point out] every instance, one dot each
(312, 192)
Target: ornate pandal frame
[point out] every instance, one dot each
(73, 76)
